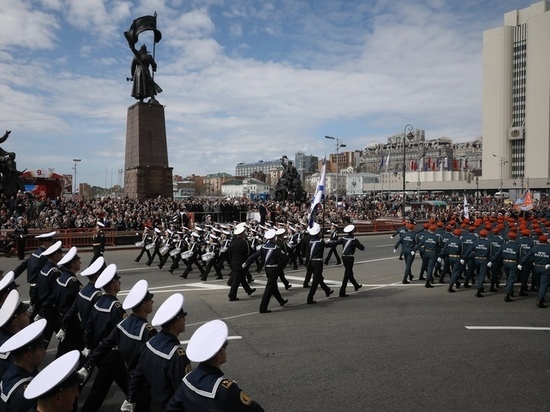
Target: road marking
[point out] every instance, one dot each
(505, 328)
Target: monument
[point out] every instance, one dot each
(10, 178)
(289, 186)
(146, 170)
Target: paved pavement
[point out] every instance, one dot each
(387, 347)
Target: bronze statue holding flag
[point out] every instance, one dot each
(143, 80)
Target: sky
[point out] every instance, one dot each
(242, 80)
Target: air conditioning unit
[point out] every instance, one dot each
(516, 133)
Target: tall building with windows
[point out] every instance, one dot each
(516, 90)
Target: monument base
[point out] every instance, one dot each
(148, 181)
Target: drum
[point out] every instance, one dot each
(187, 254)
(223, 250)
(164, 250)
(150, 246)
(140, 243)
(175, 252)
(207, 256)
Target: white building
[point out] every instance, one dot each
(250, 188)
(516, 90)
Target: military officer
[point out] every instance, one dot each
(206, 388)
(453, 251)
(480, 250)
(314, 255)
(510, 252)
(539, 255)
(432, 248)
(98, 241)
(349, 244)
(239, 251)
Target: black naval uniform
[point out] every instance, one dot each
(239, 250)
(98, 244)
(349, 244)
(130, 337)
(333, 242)
(105, 315)
(81, 308)
(65, 293)
(46, 304)
(207, 389)
(20, 233)
(162, 365)
(5, 359)
(14, 382)
(315, 251)
(32, 265)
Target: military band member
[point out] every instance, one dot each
(98, 241)
(13, 318)
(314, 255)
(157, 241)
(196, 248)
(213, 247)
(332, 243)
(163, 362)
(206, 388)
(349, 244)
(105, 315)
(27, 350)
(146, 239)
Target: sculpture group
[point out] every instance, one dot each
(10, 178)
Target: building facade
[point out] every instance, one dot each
(516, 86)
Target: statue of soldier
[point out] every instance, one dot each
(144, 86)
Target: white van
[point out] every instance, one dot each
(504, 195)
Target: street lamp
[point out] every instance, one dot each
(76, 161)
(503, 161)
(339, 144)
(407, 134)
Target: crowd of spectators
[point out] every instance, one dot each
(124, 214)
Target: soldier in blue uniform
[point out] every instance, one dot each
(444, 263)
(408, 244)
(481, 253)
(400, 231)
(206, 388)
(272, 257)
(419, 237)
(349, 244)
(496, 241)
(163, 362)
(468, 240)
(332, 243)
(453, 251)
(431, 243)
(65, 292)
(27, 349)
(129, 336)
(281, 244)
(46, 282)
(539, 255)
(13, 318)
(105, 315)
(314, 256)
(510, 253)
(526, 244)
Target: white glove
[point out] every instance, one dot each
(85, 352)
(520, 267)
(394, 250)
(127, 406)
(38, 317)
(489, 264)
(60, 335)
(391, 237)
(461, 261)
(547, 267)
(83, 373)
(439, 259)
(412, 252)
(244, 265)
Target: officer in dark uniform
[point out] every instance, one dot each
(163, 362)
(314, 256)
(481, 253)
(453, 251)
(27, 351)
(273, 258)
(496, 258)
(105, 315)
(239, 251)
(129, 336)
(20, 234)
(408, 244)
(146, 239)
(13, 318)
(510, 252)
(98, 241)
(332, 243)
(349, 244)
(195, 247)
(206, 388)
(33, 265)
(526, 243)
(46, 283)
(65, 292)
(468, 240)
(539, 255)
(432, 248)
(285, 249)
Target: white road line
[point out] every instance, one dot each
(505, 328)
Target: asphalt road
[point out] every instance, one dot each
(387, 347)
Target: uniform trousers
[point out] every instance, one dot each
(318, 280)
(481, 267)
(526, 270)
(409, 259)
(544, 277)
(456, 268)
(348, 274)
(238, 279)
(429, 260)
(271, 288)
(511, 270)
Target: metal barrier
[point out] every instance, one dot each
(70, 237)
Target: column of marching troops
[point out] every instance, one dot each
(486, 251)
(99, 335)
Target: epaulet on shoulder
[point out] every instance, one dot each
(226, 383)
(180, 352)
(118, 305)
(149, 327)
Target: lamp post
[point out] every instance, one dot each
(503, 161)
(76, 161)
(407, 134)
(339, 144)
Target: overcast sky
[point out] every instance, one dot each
(243, 80)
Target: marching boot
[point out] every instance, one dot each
(508, 298)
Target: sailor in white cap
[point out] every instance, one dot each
(273, 258)
(105, 315)
(20, 233)
(314, 255)
(66, 290)
(34, 264)
(332, 243)
(77, 316)
(46, 282)
(157, 241)
(281, 244)
(27, 349)
(206, 388)
(349, 244)
(239, 250)
(194, 259)
(7, 284)
(129, 336)
(98, 241)
(55, 388)
(14, 316)
(145, 240)
(213, 247)
(163, 363)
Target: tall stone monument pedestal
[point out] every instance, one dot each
(146, 171)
